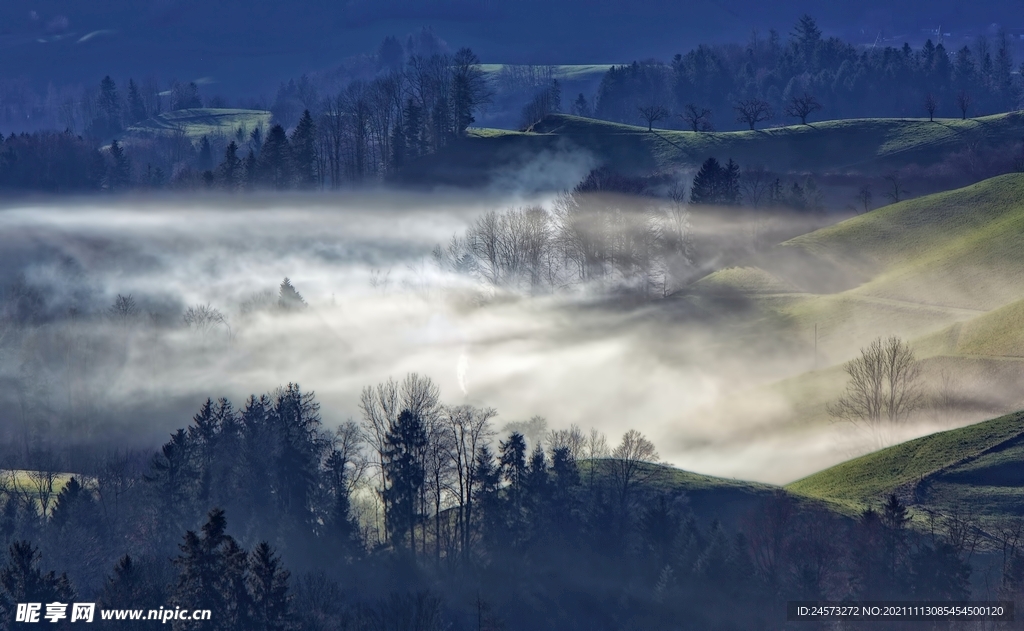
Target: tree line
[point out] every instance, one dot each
(774, 78)
(422, 512)
(363, 132)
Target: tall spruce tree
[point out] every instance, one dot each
(268, 591)
(276, 161)
(303, 144)
(405, 473)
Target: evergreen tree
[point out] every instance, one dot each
(268, 590)
(250, 169)
(205, 158)
(203, 572)
(109, 103)
(415, 140)
(289, 298)
(230, 171)
(120, 169)
(405, 474)
(275, 165)
(581, 107)
(716, 184)
(303, 144)
(705, 184)
(136, 104)
(21, 581)
(136, 584)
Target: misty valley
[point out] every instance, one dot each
(424, 340)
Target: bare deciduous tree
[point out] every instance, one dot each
(947, 396)
(864, 197)
(697, 119)
(204, 319)
(753, 111)
(124, 312)
(571, 439)
(470, 429)
(630, 464)
(802, 106)
(652, 114)
(883, 389)
(755, 183)
(896, 192)
(963, 102)
(930, 105)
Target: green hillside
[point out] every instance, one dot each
(910, 269)
(198, 122)
(863, 146)
(977, 467)
(563, 72)
(945, 272)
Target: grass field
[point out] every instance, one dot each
(195, 123)
(912, 269)
(945, 272)
(855, 146)
(975, 467)
(571, 72)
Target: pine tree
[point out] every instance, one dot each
(109, 102)
(135, 584)
(71, 501)
(229, 173)
(289, 298)
(705, 183)
(268, 590)
(405, 474)
(729, 193)
(415, 142)
(203, 576)
(580, 107)
(487, 480)
(121, 169)
(250, 169)
(136, 105)
(205, 159)
(22, 581)
(303, 143)
(276, 166)
(513, 465)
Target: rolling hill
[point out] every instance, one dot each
(945, 272)
(911, 269)
(867, 147)
(974, 469)
(198, 122)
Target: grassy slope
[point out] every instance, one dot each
(870, 146)
(570, 72)
(944, 271)
(911, 269)
(978, 465)
(201, 121)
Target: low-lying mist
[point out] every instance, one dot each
(120, 318)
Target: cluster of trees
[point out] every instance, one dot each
(412, 106)
(368, 129)
(594, 234)
(364, 132)
(417, 513)
(771, 78)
